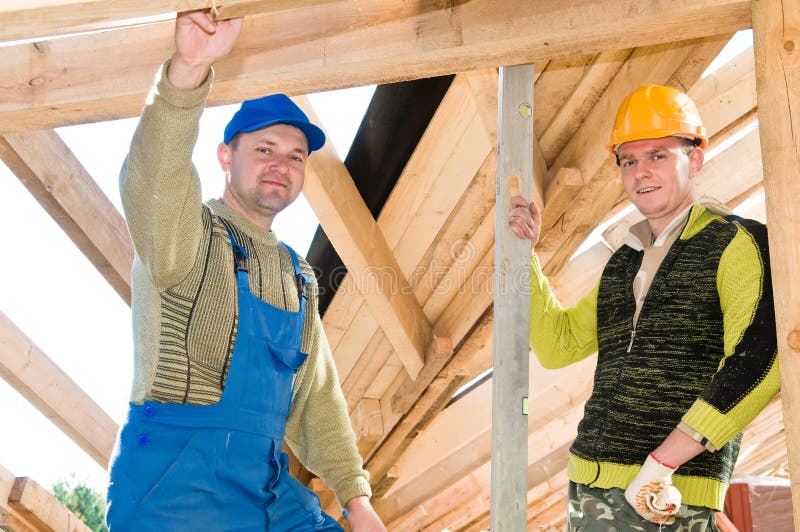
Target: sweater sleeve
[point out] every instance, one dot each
(748, 377)
(159, 185)
(318, 428)
(560, 336)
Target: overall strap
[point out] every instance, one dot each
(240, 255)
(302, 280)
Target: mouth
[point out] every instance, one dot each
(647, 190)
(274, 182)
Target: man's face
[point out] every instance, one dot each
(265, 171)
(657, 175)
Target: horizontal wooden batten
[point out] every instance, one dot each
(66, 81)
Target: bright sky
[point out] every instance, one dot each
(59, 300)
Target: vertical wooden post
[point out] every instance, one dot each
(511, 304)
(776, 35)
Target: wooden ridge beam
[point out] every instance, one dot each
(72, 198)
(37, 378)
(358, 239)
(65, 81)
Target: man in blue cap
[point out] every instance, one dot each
(230, 355)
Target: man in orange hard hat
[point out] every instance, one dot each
(683, 324)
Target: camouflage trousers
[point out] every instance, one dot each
(606, 510)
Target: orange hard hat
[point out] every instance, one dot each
(653, 112)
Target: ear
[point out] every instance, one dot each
(224, 156)
(696, 158)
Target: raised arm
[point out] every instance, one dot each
(160, 187)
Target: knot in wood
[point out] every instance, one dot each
(794, 340)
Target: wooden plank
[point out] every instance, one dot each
(563, 187)
(776, 45)
(511, 302)
(441, 169)
(554, 86)
(42, 509)
(10, 520)
(72, 198)
(579, 103)
(29, 371)
(29, 19)
(65, 81)
(367, 417)
(360, 243)
(484, 90)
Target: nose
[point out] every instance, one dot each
(279, 164)
(643, 170)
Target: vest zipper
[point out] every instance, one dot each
(633, 335)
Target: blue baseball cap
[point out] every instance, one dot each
(269, 110)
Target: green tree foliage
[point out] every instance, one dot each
(83, 501)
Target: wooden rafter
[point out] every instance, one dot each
(358, 239)
(28, 370)
(72, 198)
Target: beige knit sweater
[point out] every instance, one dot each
(184, 291)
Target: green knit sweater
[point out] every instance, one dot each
(184, 291)
(703, 352)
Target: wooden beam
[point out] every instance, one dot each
(776, 44)
(65, 81)
(564, 186)
(579, 103)
(37, 378)
(484, 91)
(511, 302)
(72, 198)
(360, 243)
(10, 519)
(26, 19)
(459, 443)
(442, 168)
(366, 417)
(40, 508)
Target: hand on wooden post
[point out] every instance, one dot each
(525, 220)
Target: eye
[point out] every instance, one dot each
(262, 149)
(627, 163)
(297, 158)
(659, 156)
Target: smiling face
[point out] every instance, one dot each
(265, 170)
(657, 175)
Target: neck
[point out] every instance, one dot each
(263, 222)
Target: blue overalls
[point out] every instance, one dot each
(181, 467)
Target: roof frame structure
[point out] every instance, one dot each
(582, 45)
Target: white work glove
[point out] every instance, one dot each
(652, 494)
